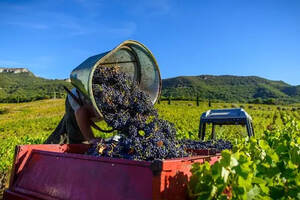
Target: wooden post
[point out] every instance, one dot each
(213, 132)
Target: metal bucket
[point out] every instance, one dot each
(133, 58)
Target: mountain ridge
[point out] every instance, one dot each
(25, 86)
(230, 88)
(228, 75)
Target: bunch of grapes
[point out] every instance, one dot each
(129, 110)
(155, 141)
(121, 102)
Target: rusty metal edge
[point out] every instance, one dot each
(11, 195)
(13, 169)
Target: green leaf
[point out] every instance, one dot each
(253, 193)
(233, 162)
(226, 158)
(216, 170)
(258, 180)
(264, 188)
(263, 144)
(225, 174)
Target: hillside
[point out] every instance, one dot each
(21, 87)
(230, 89)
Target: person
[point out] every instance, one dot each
(75, 126)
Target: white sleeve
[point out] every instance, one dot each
(75, 106)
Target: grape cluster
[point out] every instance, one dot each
(155, 141)
(129, 110)
(124, 106)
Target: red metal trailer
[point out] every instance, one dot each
(65, 172)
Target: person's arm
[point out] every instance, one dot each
(83, 117)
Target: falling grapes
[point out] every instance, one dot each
(129, 111)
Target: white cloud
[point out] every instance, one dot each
(45, 16)
(90, 4)
(29, 25)
(42, 62)
(150, 7)
(37, 63)
(159, 6)
(11, 63)
(125, 30)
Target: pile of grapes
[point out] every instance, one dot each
(129, 111)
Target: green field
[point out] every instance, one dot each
(31, 123)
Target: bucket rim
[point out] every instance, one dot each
(124, 43)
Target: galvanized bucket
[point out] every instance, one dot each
(133, 58)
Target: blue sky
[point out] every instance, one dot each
(192, 37)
